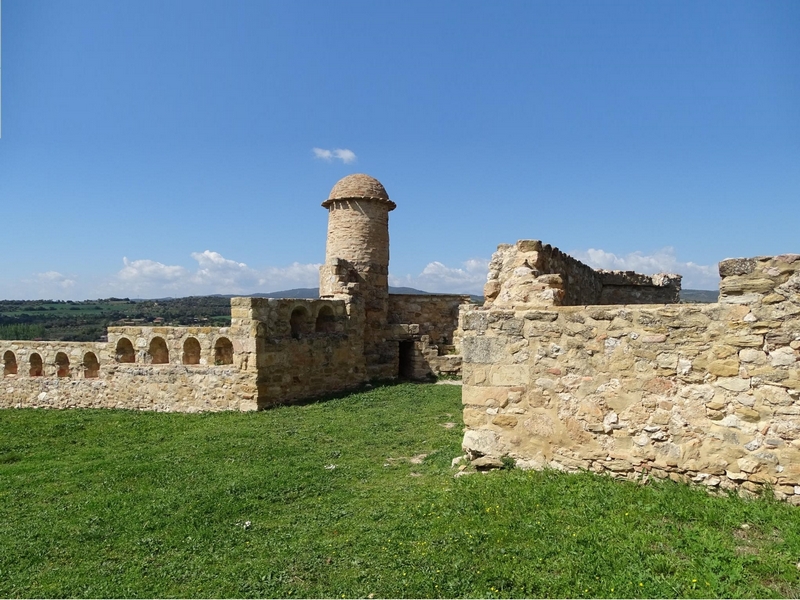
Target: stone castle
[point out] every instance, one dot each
(563, 366)
(275, 350)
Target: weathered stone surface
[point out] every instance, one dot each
(736, 266)
(482, 441)
(483, 350)
(275, 351)
(782, 357)
(750, 355)
(485, 463)
(709, 393)
(724, 368)
(734, 384)
(533, 274)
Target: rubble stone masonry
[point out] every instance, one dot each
(142, 368)
(430, 321)
(708, 393)
(530, 273)
(275, 351)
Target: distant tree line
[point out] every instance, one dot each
(87, 320)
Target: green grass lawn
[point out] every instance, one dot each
(350, 498)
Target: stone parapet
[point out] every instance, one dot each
(760, 280)
(704, 393)
(628, 287)
(532, 274)
(96, 375)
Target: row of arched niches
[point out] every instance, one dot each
(157, 353)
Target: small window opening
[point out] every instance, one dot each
(91, 366)
(125, 353)
(223, 352)
(325, 320)
(36, 365)
(191, 351)
(62, 365)
(9, 364)
(406, 366)
(298, 322)
(159, 355)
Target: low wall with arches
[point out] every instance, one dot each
(183, 369)
(63, 360)
(275, 351)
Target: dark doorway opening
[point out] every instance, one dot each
(406, 368)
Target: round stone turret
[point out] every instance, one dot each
(357, 249)
(357, 261)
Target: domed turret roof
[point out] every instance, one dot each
(361, 187)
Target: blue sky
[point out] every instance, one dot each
(167, 148)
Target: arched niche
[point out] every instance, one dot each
(299, 322)
(223, 351)
(62, 365)
(191, 351)
(325, 322)
(91, 366)
(124, 352)
(9, 363)
(36, 369)
(159, 354)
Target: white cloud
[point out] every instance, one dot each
(55, 278)
(215, 274)
(296, 275)
(342, 154)
(662, 261)
(438, 277)
(50, 285)
(146, 278)
(137, 271)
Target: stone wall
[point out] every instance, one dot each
(275, 351)
(628, 287)
(301, 348)
(531, 274)
(435, 314)
(95, 376)
(430, 321)
(708, 393)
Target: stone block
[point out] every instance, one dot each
(733, 384)
(737, 285)
(509, 375)
(484, 350)
(484, 395)
(483, 441)
(724, 368)
(505, 421)
(782, 357)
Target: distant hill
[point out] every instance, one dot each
(686, 295)
(314, 292)
(295, 293)
(699, 295)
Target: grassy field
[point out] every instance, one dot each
(350, 498)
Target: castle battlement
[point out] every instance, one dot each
(275, 350)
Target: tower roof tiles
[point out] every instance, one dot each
(361, 187)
